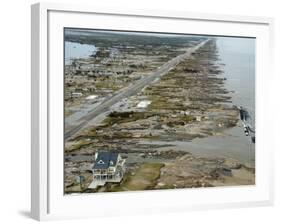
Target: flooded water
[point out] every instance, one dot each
(232, 144)
(77, 50)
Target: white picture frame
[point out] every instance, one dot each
(48, 201)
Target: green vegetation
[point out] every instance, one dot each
(144, 178)
(165, 103)
(103, 39)
(107, 84)
(188, 118)
(124, 117)
(67, 113)
(78, 145)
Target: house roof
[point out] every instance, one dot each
(105, 160)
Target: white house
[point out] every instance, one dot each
(108, 167)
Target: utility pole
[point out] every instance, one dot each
(80, 179)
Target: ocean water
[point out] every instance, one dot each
(238, 55)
